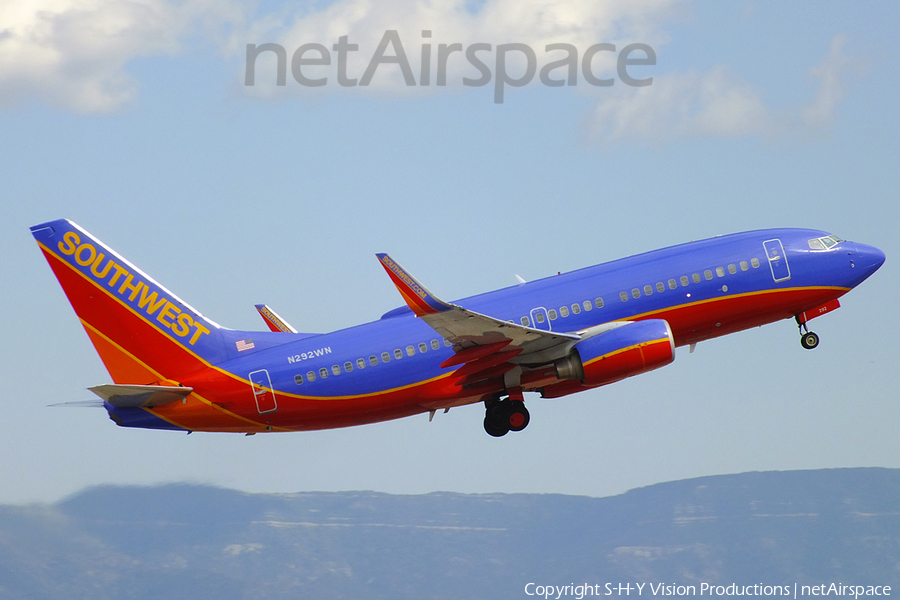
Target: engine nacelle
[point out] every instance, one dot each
(630, 349)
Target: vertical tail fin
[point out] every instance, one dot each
(144, 333)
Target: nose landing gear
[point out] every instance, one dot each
(503, 416)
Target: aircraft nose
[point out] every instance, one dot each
(867, 259)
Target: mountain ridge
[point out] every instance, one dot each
(180, 540)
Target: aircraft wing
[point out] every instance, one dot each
(478, 339)
(467, 329)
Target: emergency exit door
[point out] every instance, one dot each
(262, 391)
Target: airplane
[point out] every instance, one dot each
(174, 369)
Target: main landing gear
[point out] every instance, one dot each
(808, 339)
(503, 416)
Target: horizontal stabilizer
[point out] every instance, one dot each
(140, 396)
(80, 404)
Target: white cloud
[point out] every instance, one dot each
(681, 105)
(72, 53)
(716, 104)
(829, 73)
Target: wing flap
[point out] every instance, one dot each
(466, 328)
(140, 396)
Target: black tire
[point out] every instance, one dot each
(493, 430)
(809, 340)
(497, 412)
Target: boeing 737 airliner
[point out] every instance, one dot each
(175, 369)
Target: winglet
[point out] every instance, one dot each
(272, 319)
(421, 301)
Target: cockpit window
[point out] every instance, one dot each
(825, 243)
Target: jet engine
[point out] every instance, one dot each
(631, 348)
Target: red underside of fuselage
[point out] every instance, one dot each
(714, 318)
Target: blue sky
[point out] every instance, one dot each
(132, 119)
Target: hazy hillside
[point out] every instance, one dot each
(182, 541)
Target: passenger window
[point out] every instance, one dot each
(732, 269)
(673, 284)
(298, 379)
(623, 296)
(525, 321)
(410, 351)
(598, 302)
(385, 357)
(684, 281)
(708, 274)
(552, 314)
(744, 265)
(648, 290)
(311, 376)
(587, 305)
(660, 286)
(636, 293)
(576, 309)
(361, 363)
(323, 373)
(754, 262)
(564, 311)
(435, 345)
(720, 271)
(696, 277)
(447, 342)
(335, 369)
(423, 347)
(373, 360)
(539, 316)
(348, 366)
(398, 353)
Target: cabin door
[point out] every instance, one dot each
(777, 260)
(262, 391)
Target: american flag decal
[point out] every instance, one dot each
(244, 345)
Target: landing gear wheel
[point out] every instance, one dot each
(496, 412)
(503, 416)
(517, 416)
(492, 429)
(809, 340)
